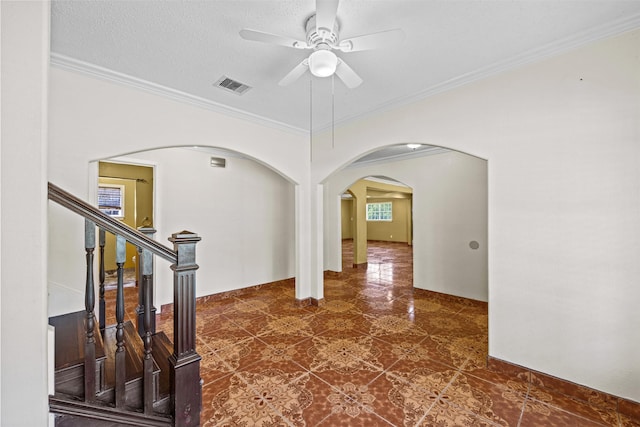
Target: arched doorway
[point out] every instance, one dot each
(449, 211)
(243, 210)
(374, 209)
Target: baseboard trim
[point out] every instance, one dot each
(306, 302)
(234, 293)
(309, 302)
(301, 303)
(330, 274)
(317, 302)
(575, 391)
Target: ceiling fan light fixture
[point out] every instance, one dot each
(323, 63)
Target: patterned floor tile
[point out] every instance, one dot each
(267, 398)
(377, 352)
(496, 404)
(537, 414)
(555, 400)
(327, 323)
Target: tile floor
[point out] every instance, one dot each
(376, 353)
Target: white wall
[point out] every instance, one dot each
(449, 211)
(23, 312)
(92, 119)
(244, 213)
(562, 140)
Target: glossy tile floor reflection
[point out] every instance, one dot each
(376, 353)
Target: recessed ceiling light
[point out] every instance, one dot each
(414, 146)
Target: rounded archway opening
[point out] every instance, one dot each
(242, 208)
(376, 224)
(449, 214)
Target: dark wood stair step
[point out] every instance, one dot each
(70, 412)
(69, 348)
(162, 350)
(70, 339)
(134, 355)
(70, 335)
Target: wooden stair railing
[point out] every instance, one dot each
(183, 364)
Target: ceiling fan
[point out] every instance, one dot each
(323, 37)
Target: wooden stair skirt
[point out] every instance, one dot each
(68, 403)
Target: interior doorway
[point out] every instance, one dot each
(374, 209)
(125, 192)
(449, 219)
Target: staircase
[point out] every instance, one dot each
(126, 374)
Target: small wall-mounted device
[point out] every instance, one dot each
(218, 162)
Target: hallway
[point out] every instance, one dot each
(376, 353)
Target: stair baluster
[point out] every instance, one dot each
(89, 303)
(140, 309)
(120, 362)
(101, 306)
(147, 289)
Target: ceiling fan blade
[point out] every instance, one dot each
(326, 11)
(372, 41)
(263, 37)
(295, 74)
(347, 75)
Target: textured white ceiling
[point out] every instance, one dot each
(185, 46)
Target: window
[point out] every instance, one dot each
(379, 211)
(111, 200)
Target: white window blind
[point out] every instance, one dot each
(111, 200)
(379, 211)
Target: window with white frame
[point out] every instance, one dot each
(111, 200)
(379, 211)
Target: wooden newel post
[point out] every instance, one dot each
(186, 389)
(140, 309)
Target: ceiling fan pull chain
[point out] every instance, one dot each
(333, 111)
(310, 120)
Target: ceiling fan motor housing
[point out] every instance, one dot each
(321, 36)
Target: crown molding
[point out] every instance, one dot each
(544, 52)
(75, 65)
(547, 51)
(398, 157)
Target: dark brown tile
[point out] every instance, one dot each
(576, 391)
(626, 421)
(520, 387)
(445, 414)
(356, 417)
(538, 414)
(494, 403)
(556, 400)
(630, 409)
(508, 369)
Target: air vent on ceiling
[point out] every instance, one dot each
(231, 85)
